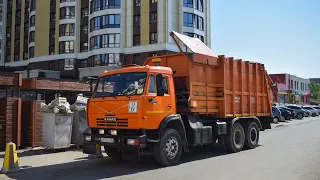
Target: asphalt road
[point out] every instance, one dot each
(290, 151)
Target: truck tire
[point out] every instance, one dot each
(235, 139)
(252, 136)
(168, 151)
(113, 153)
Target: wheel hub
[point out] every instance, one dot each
(237, 138)
(171, 147)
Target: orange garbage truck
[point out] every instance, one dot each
(173, 102)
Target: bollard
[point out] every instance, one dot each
(10, 162)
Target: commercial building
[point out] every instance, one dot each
(81, 38)
(288, 85)
(1, 30)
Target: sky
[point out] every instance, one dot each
(282, 34)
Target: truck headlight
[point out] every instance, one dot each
(113, 132)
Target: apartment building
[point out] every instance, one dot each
(82, 38)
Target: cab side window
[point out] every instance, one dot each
(165, 85)
(152, 88)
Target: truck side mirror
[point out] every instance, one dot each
(159, 85)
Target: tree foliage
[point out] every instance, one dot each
(315, 90)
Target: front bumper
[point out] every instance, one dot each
(119, 142)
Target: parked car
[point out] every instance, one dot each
(312, 110)
(276, 114)
(317, 108)
(299, 111)
(308, 113)
(286, 114)
(288, 109)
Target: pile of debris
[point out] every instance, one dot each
(61, 105)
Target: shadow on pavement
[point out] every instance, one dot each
(105, 167)
(34, 152)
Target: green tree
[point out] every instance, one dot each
(292, 99)
(315, 90)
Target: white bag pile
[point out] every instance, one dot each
(58, 105)
(80, 104)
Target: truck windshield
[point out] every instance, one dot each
(122, 84)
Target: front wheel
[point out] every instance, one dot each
(275, 120)
(252, 136)
(300, 116)
(168, 151)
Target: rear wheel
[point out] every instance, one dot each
(314, 115)
(168, 151)
(113, 153)
(234, 140)
(252, 136)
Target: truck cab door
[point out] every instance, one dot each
(158, 107)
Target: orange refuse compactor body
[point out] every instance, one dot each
(172, 102)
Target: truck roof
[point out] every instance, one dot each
(137, 68)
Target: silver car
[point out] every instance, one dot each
(314, 112)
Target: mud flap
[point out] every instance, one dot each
(90, 149)
(265, 122)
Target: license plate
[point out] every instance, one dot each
(107, 140)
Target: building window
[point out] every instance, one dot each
(111, 21)
(200, 7)
(18, 14)
(95, 23)
(32, 20)
(193, 20)
(68, 64)
(52, 33)
(16, 57)
(67, 12)
(105, 60)
(8, 31)
(53, 16)
(66, 30)
(110, 40)
(136, 59)
(26, 27)
(95, 42)
(32, 5)
(8, 57)
(153, 38)
(9, 4)
(66, 47)
(84, 12)
(153, 17)
(107, 21)
(84, 47)
(8, 44)
(111, 4)
(31, 52)
(153, 1)
(17, 43)
(17, 29)
(62, 1)
(53, 2)
(25, 55)
(188, 3)
(137, 3)
(83, 63)
(136, 40)
(31, 37)
(51, 50)
(84, 29)
(136, 21)
(97, 5)
(194, 35)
